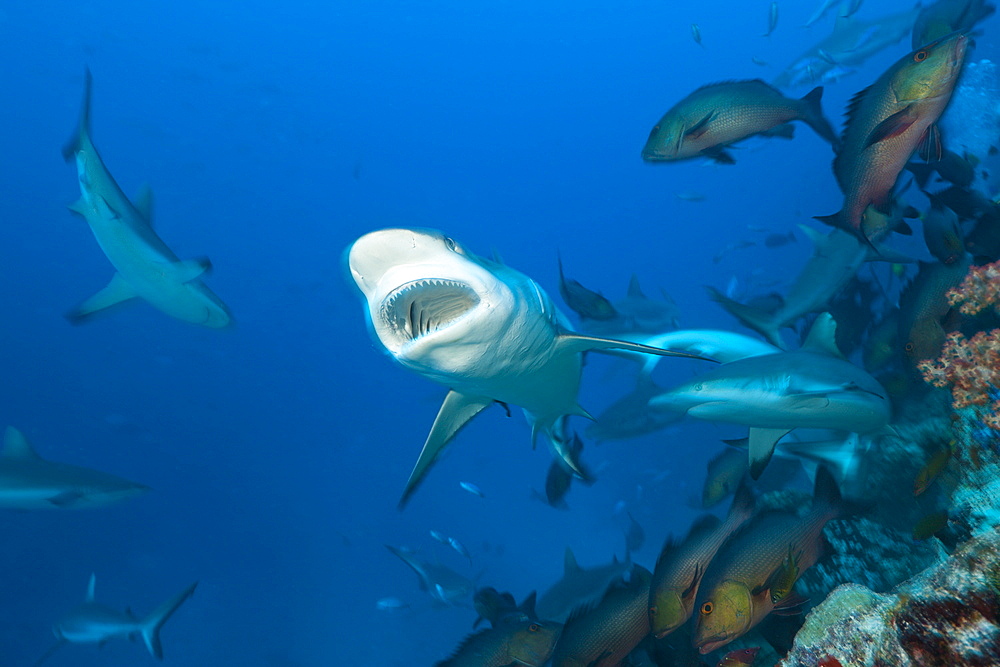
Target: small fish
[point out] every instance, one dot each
(735, 245)
(690, 195)
(696, 34)
(459, 548)
(778, 240)
(758, 61)
(930, 525)
(784, 578)
(739, 658)
(772, 19)
(943, 233)
(586, 303)
(472, 488)
(934, 466)
(824, 7)
(440, 537)
(391, 604)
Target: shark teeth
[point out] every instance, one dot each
(424, 306)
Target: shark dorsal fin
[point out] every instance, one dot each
(822, 338)
(90, 588)
(633, 288)
(144, 204)
(569, 562)
(16, 446)
(528, 606)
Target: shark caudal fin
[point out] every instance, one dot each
(152, 624)
(751, 317)
(83, 126)
(455, 412)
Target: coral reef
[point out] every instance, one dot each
(980, 290)
(971, 367)
(947, 616)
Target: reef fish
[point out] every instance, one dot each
(736, 591)
(680, 567)
(605, 634)
(715, 116)
(486, 331)
(887, 122)
(523, 642)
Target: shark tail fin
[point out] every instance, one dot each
(757, 319)
(152, 624)
(83, 127)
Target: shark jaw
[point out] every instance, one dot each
(426, 294)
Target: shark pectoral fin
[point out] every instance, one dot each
(144, 204)
(572, 343)
(455, 412)
(762, 442)
(79, 207)
(118, 291)
(65, 499)
(189, 269)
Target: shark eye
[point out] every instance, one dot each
(920, 56)
(533, 627)
(698, 387)
(450, 243)
(707, 608)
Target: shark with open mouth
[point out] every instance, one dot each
(486, 331)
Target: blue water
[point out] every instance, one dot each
(274, 134)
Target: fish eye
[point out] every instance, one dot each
(707, 608)
(533, 627)
(656, 128)
(449, 243)
(909, 347)
(652, 610)
(920, 56)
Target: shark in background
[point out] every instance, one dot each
(29, 482)
(94, 623)
(487, 332)
(444, 585)
(145, 268)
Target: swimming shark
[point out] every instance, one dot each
(813, 387)
(144, 266)
(579, 586)
(444, 585)
(477, 326)
(835, 261)
(851, 43)
(28, 482)
(93, 623)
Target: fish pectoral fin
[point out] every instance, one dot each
(719, 155)
(762, 442)
(65, 499)
(79, 207)
(892, 126)
(117, 292)
(689, 592)
(456, 411)
(930, 148)
(572, 343)
(700, 127)
(189, 269)
(790, 605)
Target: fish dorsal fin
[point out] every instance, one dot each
(703, 524)
(90, 588)
(528, 606)
(144, 203)
(462, 647)
(633, 288)
(822, 338)
(16, 446)
(569, 562)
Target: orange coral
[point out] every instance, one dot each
(979, 291)
(971, 367)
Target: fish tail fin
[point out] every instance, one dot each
(83, 126)
(152, 624)
(757, 319)
(814, 118)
